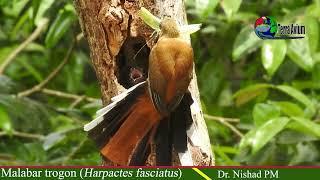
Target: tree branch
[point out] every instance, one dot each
(225, 121)
(74, 151)
(39, 86)
(76, 102)
(23, 135)
(231, 120)
(67, 95)
(23, 45)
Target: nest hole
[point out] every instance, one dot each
(132, 62)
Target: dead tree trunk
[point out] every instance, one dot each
(115, 33)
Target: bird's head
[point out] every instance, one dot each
(169, 28)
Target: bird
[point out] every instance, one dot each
(157, 109)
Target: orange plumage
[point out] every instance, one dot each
(169, 75)
(142, 117)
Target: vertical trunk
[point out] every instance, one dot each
(114, 31)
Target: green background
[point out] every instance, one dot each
(269, 88)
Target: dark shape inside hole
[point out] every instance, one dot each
(132, 62)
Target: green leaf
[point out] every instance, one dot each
(264, 156)
(297, 95)
(267, 131)
(248, 93)
(43, 7)
(5, 122)
(59, 27)
(247, 139)
(299, 52)
(27, 115)
(316, 74)
(294, 137)
(273, 53)
(52, 139)
(301, 85)
(7, 85)
(205, 7)
(211, 78)
(209, 29)
(288, 108)
(35, 47)
(316, 57)
(312, 32)
(62, 123)
(227, 149)
(225, 97)
(293, 125)
(258, 137)
(230, 6)
(288, 71)
(16, 8)
(33, 71)
(98, 105)
(317, 3)
(226, 159)
(31, 153)
(305, 152)
(149, 18)
(22, 20)
(5, 51)
(264, 112)
(313, 127)
(246, 42)
(313, 10)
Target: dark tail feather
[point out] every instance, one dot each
(107, 123)
(135, 127)
(180, 120)
(141, 152)
(172, 133)
(163, 144)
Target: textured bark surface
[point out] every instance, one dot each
(108, 25)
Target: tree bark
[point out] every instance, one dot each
(113, 31)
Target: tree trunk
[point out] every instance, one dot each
(114, 31)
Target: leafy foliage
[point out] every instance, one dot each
(45, 128)
(269, 88)
(273, 84)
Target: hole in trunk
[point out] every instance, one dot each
(132, 62)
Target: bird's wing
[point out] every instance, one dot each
(157, 83)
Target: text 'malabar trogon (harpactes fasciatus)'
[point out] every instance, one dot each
(156, 110)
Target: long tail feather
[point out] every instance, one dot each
(142, 151)
(181, 120)
(122, 130)
(116, 101)
(112, 116)
(141, 119)
(172, 134)
(163, 143)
